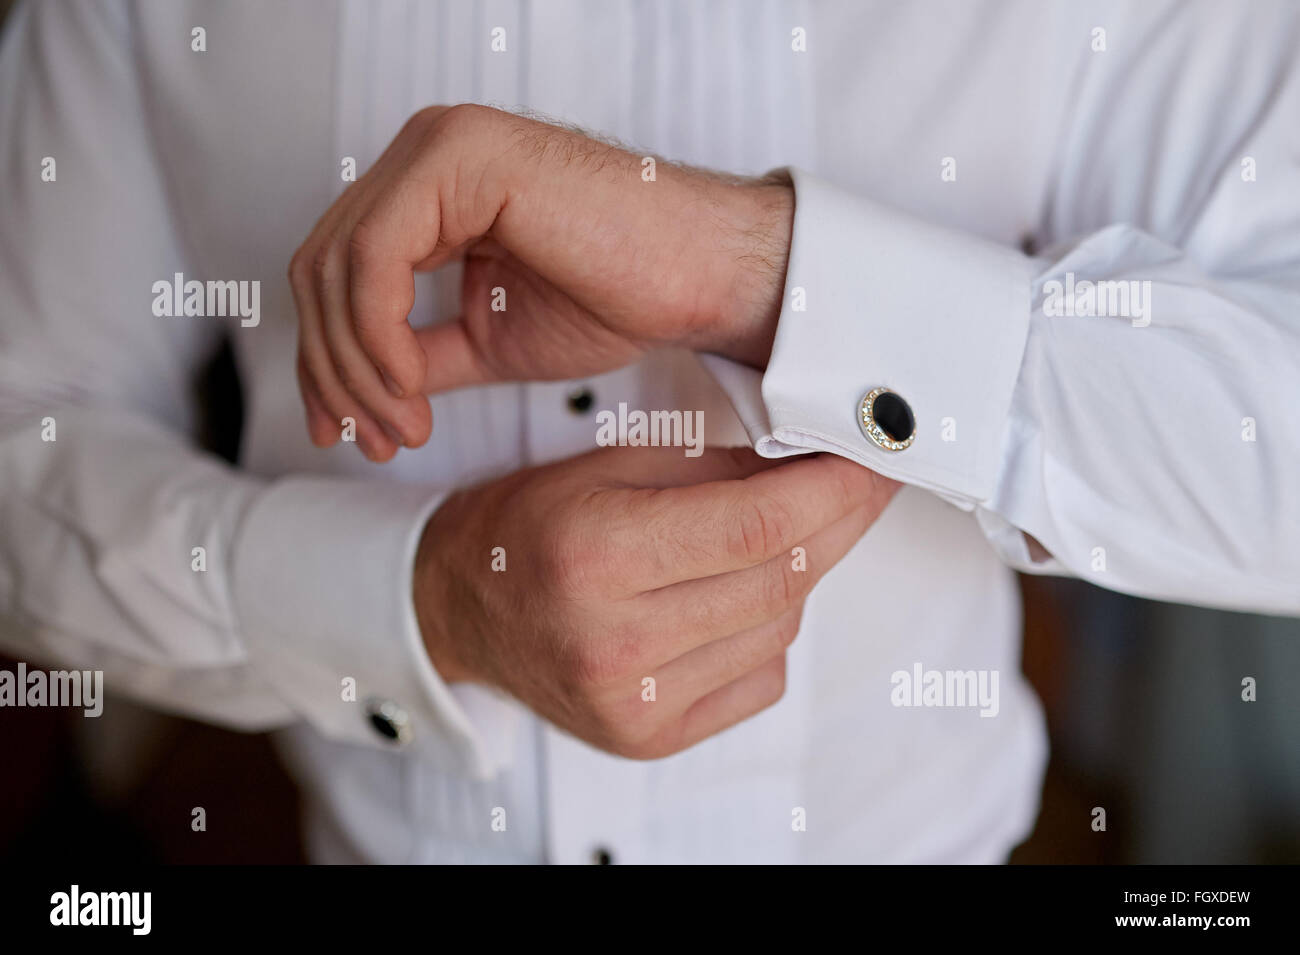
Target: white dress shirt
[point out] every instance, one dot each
(932, 142)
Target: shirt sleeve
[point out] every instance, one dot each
(194, 586)
(1126, 397)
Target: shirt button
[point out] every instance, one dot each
(601, 856)
(580, 401)
(887, 420)
(389, 720)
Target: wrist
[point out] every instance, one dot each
(430, 592)
(742, 324)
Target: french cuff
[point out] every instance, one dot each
(898, 346)
(321, 573)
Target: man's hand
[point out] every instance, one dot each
(597, 266)
(634, 563)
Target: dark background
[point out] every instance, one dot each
(1143, 703)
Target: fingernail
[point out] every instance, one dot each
(397, 438)
(393, 387)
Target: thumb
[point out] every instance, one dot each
(451, 360)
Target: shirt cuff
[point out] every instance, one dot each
(321, 573)
(877, 298)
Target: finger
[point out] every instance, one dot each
(339, 405)
(315, 364)
(699, 672)
(450, 358)
(453, 358)
(323, 431)
(407, 421)
(725, 707)
(408, 229)
(696, 612)
(342, 216)
(319, 426)
(686, 533)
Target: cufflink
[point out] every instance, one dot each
(887, 420)
(389, 720)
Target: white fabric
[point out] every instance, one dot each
(1084, 432)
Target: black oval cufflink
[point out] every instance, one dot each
(389, 720)
(887, 420)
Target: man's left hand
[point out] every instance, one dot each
(576, 262)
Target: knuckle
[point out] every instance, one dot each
(593, 664)
(622, 658)
(800, 583)
(346, 377)
(562, 560)
(746, 530)
(849, 483)
(315, 371)
(461, 118)
(383, 451)
(361, 243)
(778, 679)
(575, 563)
(759, 528)
(783, 588)
(615, 716)
(646, 521)
(420, 119)
(324, 267)
(577, 668)
(774, 686)
(787, 630)
(299, 270)
(306, 380)
(420, 430)
(649, 742)
(644, 750)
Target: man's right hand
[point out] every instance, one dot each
(634, 563)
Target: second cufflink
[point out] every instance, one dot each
(887, 420)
